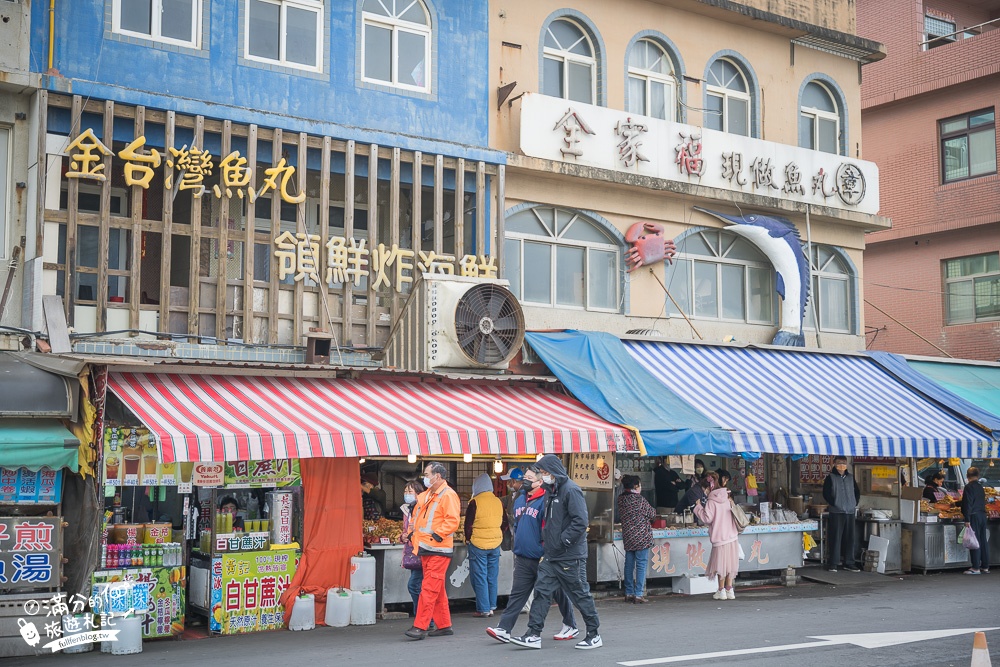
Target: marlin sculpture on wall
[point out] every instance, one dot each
(779, 240)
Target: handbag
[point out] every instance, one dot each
(411, 561)
(740, 517)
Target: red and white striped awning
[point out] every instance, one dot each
(232, 418)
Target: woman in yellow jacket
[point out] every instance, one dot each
(485, 524)
(435, 519)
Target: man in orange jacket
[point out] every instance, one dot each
(435, 519)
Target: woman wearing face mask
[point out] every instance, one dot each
(714, 511)
(411, 561)
(637, 537)
(699, 472)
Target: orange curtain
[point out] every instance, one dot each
(332, 516)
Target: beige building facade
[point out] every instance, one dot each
(636, 112)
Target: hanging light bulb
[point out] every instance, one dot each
(361, 460)
(600, 462)
(467, 457)
(411, 458)
(539, 457)
(498, 466)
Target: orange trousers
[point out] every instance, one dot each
(433, 596)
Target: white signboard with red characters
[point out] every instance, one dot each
(209, 474)
(593, 470)
(30, 552)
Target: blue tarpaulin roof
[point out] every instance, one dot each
(797, 402)
(597, 369)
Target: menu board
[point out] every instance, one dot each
(20, 485)
(814, 468)
(131, 458)
(592, 470)
(262, 474)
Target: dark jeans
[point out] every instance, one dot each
(843, 541)
(525, 575)
(413, 587)
(980, 557)
(571, 576)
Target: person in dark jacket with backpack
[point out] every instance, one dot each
(842, 494)
(529, 511)
(564, 564)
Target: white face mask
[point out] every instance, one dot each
(409, 498)
(547, 479)
(427, 482)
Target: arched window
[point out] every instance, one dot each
(819, 119)
(569, 67)
(832, 290)
(728, 98)
(561, 258)
(650, 81)
(721, 276)
(396, 43)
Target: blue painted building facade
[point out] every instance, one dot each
(324, 107)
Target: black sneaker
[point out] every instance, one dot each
(527, 641)
(441, 632)
(851, 568)
(415, 633)
(592, 641)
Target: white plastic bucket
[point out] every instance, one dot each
(338, 607)
(303, 613)
(362, 573)
(363, 607)
(129, 635)
(73, 624)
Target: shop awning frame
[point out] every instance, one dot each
(232, 418)
(37, 443)
(795, 402)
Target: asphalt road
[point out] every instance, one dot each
(669, 627)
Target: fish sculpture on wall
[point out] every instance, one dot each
(779, 240)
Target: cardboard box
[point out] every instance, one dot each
(695, 585)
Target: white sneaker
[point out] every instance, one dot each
(567, 632)
(719, 595)
(591, 641)
(499, 634)
(730, 595)
(527, 641)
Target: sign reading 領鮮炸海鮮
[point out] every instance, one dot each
(557, 129)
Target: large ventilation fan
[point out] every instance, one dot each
(456, 323)
(489, 324)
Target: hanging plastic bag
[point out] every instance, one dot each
(961, 536)
(969, 540)
(743, 556)
(808, 543)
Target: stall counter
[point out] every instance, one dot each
(679, 552)
(391, 578)
(936, 547)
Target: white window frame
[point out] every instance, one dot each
(565, 57)
(555, 241)
(156, 24)
(816, 114)
(726, 94)
(819, 274)
(395, 26)
(719, 260)
(649, 76)
(317, 6)
(970, 278)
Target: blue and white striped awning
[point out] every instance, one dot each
(796, 402)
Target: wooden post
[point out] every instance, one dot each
(103, 232)
(222, 287)
(249, 242)
(348, 297)
(272, 293)
(135, 273)
(72, 213)
(168, 224)
(194, 276)
(460, 208)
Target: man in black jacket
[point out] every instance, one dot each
(974, 511)
(842, 494)
(564, 565)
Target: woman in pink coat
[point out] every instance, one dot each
(714, 512)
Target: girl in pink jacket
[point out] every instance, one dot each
(715, 512)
